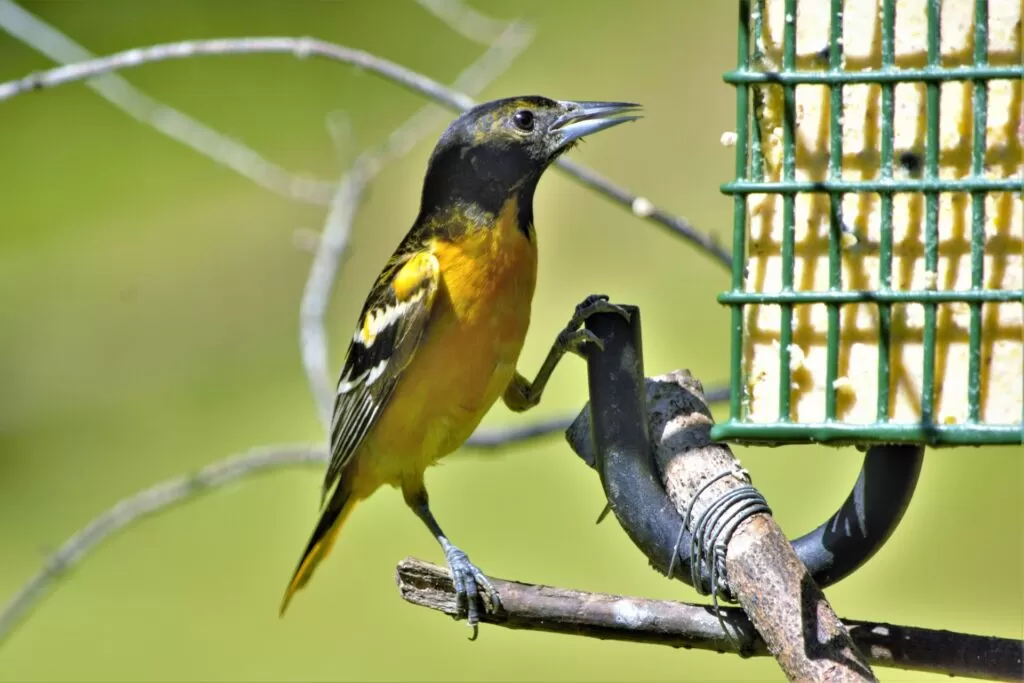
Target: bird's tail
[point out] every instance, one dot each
(334, 515)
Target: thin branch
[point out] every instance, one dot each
(501, 437)
(643, 208)
(144, 504)
(173, 123)
(347, 200)
(302, 48)
(680, 624)
(493, 438)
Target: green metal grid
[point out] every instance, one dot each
(750, 179)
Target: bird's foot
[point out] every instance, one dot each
(574, 337)
(472, 588)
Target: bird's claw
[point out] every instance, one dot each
(573, 341)
(573, 338)
(595, 303)
(472, 588)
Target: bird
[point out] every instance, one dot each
(438, 339)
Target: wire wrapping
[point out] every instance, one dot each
(711, 534)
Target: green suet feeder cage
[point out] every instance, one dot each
(879, 232)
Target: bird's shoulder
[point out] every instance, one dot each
(400, 295)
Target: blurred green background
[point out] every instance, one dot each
(148, 326)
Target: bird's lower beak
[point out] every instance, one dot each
(584, 118)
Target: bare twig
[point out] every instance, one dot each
(500, 437)
(679, 624)
(300, 48)
(643, 208)
(173, 123)
(347, 200)
(309, 47)
(145, 503)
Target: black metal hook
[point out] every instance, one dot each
(632, 484)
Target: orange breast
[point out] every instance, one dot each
(478, 324)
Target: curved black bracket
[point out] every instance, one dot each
(633, 486)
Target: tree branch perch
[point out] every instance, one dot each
(764, 572)
(679, 624)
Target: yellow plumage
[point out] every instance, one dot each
(457, 371)
(465, 362)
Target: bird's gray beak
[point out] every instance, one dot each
(585, 118)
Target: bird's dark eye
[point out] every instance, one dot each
(523, 119)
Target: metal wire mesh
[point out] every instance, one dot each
(750, 180)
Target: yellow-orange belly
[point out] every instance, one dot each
(466, 358)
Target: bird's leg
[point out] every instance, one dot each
(522, 394)
(471, 586)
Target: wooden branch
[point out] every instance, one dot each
(762, 570)
(679, 624)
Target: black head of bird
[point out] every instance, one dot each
(499, 149)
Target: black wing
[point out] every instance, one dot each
(386, 339)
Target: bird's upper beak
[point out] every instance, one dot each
(584, 118)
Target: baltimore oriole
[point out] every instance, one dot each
(440, 333)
